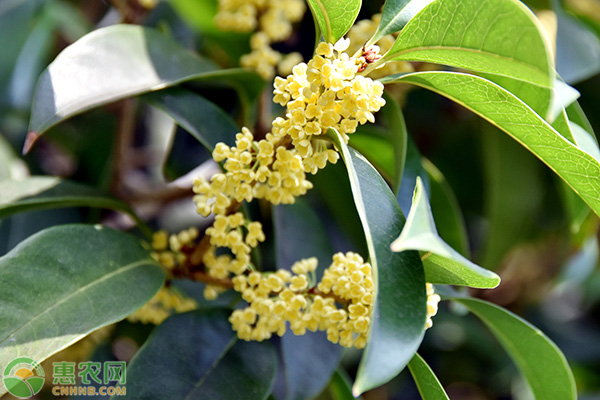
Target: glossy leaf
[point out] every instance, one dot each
(197, 355)
(395, 15)
(67, 281)
(499, 37)
(120, 61)
(398, 318)
(540, 361)
(442, 263)
(428, 384)
(334, 17)
(502, 109)
(372, 142)
(200, 117)
(310, 359)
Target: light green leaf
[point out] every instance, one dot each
(428, 384)
(47, 192)
(334, 17)
(502, 109)
(65, 282)
(500, 37)
(196, 355)
(540, 361)
(200, 117)
(395, 15)
(398, 317)
(443, 264)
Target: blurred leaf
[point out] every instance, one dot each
(200, 117)
(45, 192)
(577, 49)
(428, 384)
(334, 17)
(9, 163)
(298, 224)
(340, 387)
(197, 355)
(502, 109)
(397, 127)
(398, 317)
(111, 63)
(542, 363)
(413, 168)
(68, 19)
(442, 263)
(67, 281)
(513, 195)
(372, 142)
(446, 211)
(395, 15)
(473, 35)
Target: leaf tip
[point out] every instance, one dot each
(30, 140)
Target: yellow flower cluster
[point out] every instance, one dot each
(433, 300)
(168, 250)
(284, 296)
(272, 20)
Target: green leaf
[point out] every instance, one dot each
(196, 355)
(392, 112)
(200, 117)
(502, 109)
(413, 168)
(47, 192)
(67, 281)
(398, 317)
(395, 15)
(446, 210)
(113, 63)
(428, 384)
(10, 165)
(540, 361)
(334, 17)
(442, 263)
(372, 142)
(500, 37)
(305, 379)
(340, 387)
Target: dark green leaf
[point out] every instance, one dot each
(373, 143)
(65, 282)
(542, 363)
(428, 384)
(398, 318)
(334, 17)
(298, 224)
(200, 117)
(442, 263)
(413, 168)
(397, 127)
(502, 109)
(473, 34)
(340, 387)
(196, 355)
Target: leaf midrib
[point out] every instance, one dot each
(74, 294)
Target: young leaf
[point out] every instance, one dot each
(200, 117)
(502, 109)
(542, 363)
(398, 318)
(199, 356)
(442, 263)
(309, 360)
(67, 281)
(395, 15)
(334, 17)
(500, 37)
(428, 384)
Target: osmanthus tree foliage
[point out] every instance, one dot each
(67, 281)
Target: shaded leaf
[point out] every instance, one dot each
(334, 17)
(502, 109)
(540, 361)
(398, 317)
(428, 384)
(395, 15)
(67, 281)
(199, 356)
(340, 387)
(500, 37)
(442, 263)
(413, 168)
(392, 112)
(373, 143)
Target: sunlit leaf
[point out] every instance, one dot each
(334, 17)
(500, 37)
(540, 361)
(428, 384)
(442, 263)
(398, 318)
(395, 15)
(65, 282)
